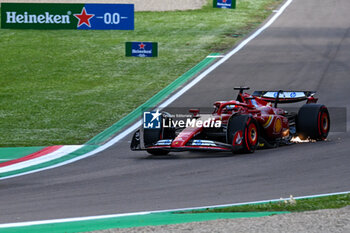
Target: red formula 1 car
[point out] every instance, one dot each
(240, 125)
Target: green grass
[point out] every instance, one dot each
(66, 86)
(328, 202)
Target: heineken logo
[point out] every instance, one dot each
(13, 17)
(141, 49)
(67, 16)
(224, 4)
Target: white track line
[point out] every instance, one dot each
(173, 97)
(65, 220)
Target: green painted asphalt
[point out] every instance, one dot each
(154, 219)
(11, 153)
(152, 102)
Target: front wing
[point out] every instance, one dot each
(192, 145)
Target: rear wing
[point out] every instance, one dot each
(286, 96)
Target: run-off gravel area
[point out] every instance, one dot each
(334, 220)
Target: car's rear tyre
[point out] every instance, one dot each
(243, 133)
(313, 122)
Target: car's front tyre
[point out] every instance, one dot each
(243, 134)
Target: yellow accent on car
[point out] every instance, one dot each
(268, 122)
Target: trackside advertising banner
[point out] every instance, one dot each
(224, 4)
(67, 16)
(141, 49)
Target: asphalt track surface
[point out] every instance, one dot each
(306, 48)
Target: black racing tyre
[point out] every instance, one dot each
(313, 122)
(151, 136)
(246, 127)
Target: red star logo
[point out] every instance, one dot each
(84, 18)
(142, 45)
(224, 1)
